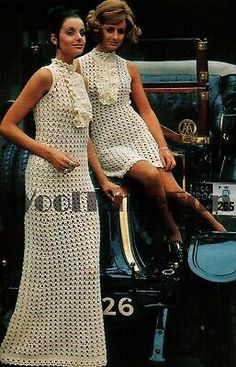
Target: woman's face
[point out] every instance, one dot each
(112, 36)
(71, 39)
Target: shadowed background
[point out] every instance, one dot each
(23, 22)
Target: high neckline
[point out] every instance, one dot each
(101, 55)
(81, 107)
(64, 65)
(107, 75)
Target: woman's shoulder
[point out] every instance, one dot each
(42, 76)
(132, 68)
(38, 84)
(45, 72)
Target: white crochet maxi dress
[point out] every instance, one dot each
(58, 317)
(120, 136)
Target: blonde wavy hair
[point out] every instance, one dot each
(113, 12)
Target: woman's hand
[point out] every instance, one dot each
(168, 159)
(63, 162)
(113, 192)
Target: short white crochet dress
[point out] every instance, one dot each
(58, 318)
(120, 136)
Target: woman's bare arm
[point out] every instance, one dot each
(38, 85)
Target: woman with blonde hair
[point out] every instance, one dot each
(129, 143)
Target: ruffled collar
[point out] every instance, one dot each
(103, 56)
(106, 76)
(64, 65)
(81, 106)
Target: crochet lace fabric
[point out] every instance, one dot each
(58, 317)
(120, 136)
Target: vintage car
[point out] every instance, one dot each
(158, 313)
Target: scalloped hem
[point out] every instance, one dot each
(120, 174)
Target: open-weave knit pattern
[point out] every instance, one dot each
(120, 136)
(58, 317)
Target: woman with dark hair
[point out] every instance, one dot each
(58, 318)
(127, 143)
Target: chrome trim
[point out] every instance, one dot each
(191, 139)
(125, 235)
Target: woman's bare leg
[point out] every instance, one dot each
(173, 190)
(151, 180)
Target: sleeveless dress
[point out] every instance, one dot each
(58, 318)
(120, 136)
